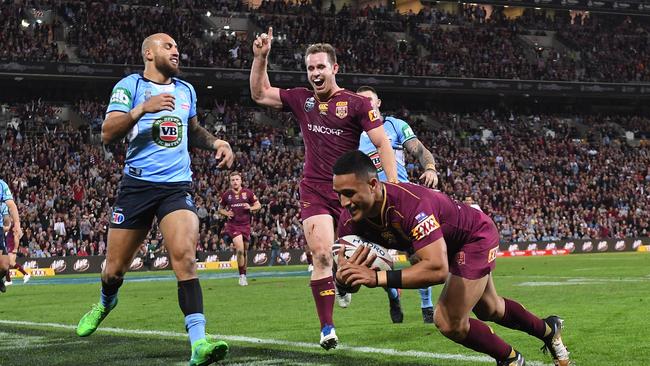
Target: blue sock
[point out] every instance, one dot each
(425, 297)
(195, 325)
(392, 293)
(108, 300)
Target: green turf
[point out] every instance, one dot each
(604, 299)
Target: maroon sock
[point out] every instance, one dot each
(310, 259)
(242, 270)
(20, 268)
(323, 291)
(517, 317)
(482, 339)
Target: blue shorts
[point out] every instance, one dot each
(138, 202)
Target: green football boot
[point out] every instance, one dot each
(90, 321)
(205, 352)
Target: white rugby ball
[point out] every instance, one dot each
(350, 243)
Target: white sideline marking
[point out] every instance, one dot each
(243, 339)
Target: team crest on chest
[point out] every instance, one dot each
(341, 109)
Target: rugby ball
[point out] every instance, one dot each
(350, 243)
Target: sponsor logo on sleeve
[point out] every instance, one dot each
(121, 96)
(408, 132)
(373, 115)
(425, 227)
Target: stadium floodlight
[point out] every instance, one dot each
(24, 23)
(208, 13)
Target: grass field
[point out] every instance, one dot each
(604, 299)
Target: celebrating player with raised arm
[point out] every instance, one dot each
(457, 246)
(156, 112)
(331, 120)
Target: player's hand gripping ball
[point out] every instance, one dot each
(348, 245)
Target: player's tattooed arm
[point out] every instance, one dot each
(415, 147)
(200, 138)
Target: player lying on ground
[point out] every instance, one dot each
(457, 246)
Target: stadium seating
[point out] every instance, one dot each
(468, 42)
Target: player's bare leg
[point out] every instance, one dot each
(319, 233)
(241, 249)
(513, 315)
(180, 230)
(121, 248)
(457, 299)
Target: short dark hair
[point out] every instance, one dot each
(322, 47)
(234, 173)
(356, 162)
(367, 88)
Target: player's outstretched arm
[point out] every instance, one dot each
(386, 154)
(261, 90)
(430, 176)
(200, 138)
(118, 124)
(432, 269)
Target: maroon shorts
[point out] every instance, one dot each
(236, 230)
(318, 199)
(477, 258)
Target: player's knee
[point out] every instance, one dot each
(240, 252)
(454, 329)
(322, 259)
(486, 313)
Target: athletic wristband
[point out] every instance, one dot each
(394, 279)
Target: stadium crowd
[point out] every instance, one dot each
(541, 177)
(470, 42)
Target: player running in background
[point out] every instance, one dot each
(10, 245)
(457, 245)
(331, 120)
(237, 204)
(402, 138)
(156, 112)
(8, 199)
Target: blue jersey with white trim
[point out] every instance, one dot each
(398, 132)
(158, 142)
(5, 195)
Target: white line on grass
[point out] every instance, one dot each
(243, 339)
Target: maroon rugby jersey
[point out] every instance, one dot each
(329, 128)
(236, 202)
(413, 217)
